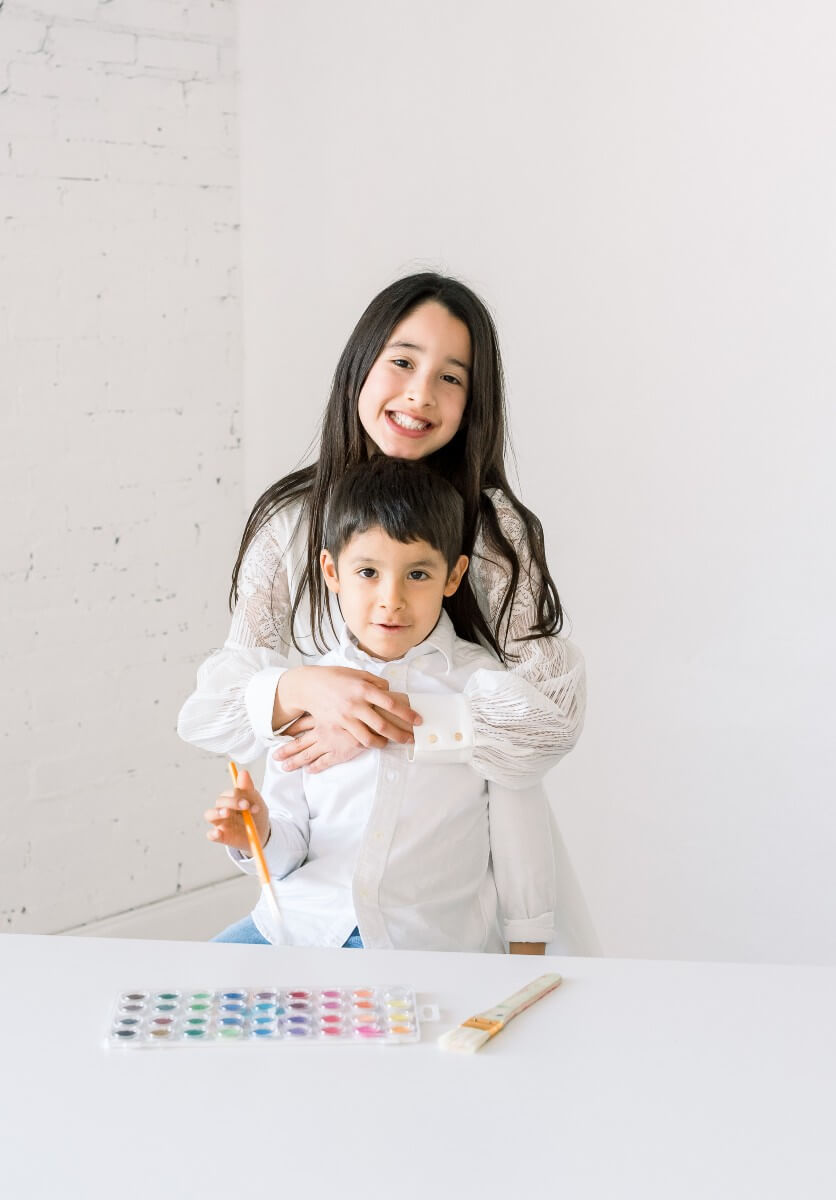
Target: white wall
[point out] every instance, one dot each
(121, 452)
(645, 193)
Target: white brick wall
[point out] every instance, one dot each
(120, 458)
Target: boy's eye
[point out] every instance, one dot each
(418, 575)
(367, 572)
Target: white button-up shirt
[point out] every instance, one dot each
(410, 846)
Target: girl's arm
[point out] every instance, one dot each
(231, 709)
(537, 704)
(238, 704)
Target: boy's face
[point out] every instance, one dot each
(390, 592)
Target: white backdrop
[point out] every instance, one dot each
(645, 195)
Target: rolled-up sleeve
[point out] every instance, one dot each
(523, 862)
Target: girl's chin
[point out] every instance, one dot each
(405, 447)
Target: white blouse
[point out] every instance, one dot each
(537, 704)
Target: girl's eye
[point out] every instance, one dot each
(367, 572)
(451, 379)
(401, 362)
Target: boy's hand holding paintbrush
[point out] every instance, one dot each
(228, 828)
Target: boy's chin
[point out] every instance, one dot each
(388, 645)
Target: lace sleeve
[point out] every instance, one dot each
(262, 611)
(538, 703)
(231, 709)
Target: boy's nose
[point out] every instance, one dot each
(390, 598)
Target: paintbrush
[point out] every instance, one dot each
(258, 854)
(472, 1034)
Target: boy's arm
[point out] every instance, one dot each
(286, 843)
(523, 866)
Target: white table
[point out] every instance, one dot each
(634, 1079)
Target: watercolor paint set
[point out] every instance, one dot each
(151, 1018)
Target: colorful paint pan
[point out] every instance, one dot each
(174, 1017)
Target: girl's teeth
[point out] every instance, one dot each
(408, 422)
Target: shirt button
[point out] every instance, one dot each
(391, 776)
(378, 836)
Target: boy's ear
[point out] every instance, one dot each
(329, 572)
(456, 575)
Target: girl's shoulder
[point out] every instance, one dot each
(281, 536)
(510, 521)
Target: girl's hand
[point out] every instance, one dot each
(319, 747)
(228, 828)
(356, 702)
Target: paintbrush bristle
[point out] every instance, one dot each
(464, 1040)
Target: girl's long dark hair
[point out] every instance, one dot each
(474, 460)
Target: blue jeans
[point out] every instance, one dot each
(246, 931)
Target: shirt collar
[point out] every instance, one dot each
(442, 639)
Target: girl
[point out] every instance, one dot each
(420, 378)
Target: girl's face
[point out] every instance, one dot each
(415, 395)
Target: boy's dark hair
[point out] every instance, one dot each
(407, 500)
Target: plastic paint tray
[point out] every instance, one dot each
(159, 1017)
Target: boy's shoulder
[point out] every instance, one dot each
(472, 655)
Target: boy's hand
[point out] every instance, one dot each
(228, 827)
(316, 747)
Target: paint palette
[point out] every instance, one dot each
(181, 1017)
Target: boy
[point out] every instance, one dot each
(388, 850)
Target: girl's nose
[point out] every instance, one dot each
(420, 390)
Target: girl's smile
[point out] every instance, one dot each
(414, 397)
(412, 426)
